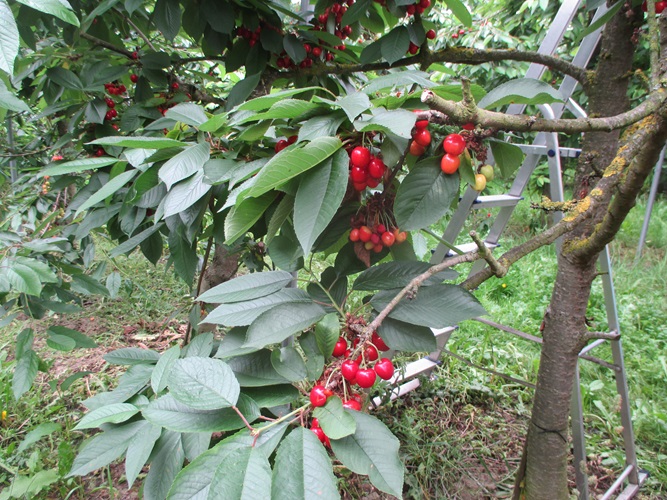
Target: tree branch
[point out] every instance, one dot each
(462, 113)
(614, 335)
(106, 45)
(653, 43)
(498, 269)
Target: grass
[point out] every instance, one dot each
(461, 431)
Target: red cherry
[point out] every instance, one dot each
(380, 228)
(371, 353)
(388, 239)
(292, 139)
(317, 51)
(375, 238)
(135, 55)
(462, 32)
(421, 124)
(99, 152)
(358, 174)
(377, 248)
(450, 163)
(430, 34)
(354, 235)
(468, 126)
(280, 145)
(454, 144)
(401, 237)
(175, 86)
(384, 369)
(423, 137)
(321, 435)
(122, 89)
(413, 49)
(318, 396)
(134, 78)
(378, 342)
(410, 10)
(352, 405)
(366, 378)
(108, 115)
(455, 35)
(349, 369)
(659, 7)
(359, 186)
(425, 4)
(340, 347)
(360, 157)
(416, 149)
(376, 168)
(110, 103)
(372, 182)
(314, 423)
(365, 233)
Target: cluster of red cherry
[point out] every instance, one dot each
(283, 143)
(366, 169)
(421, 138)
(454, 145)
(417, 8)
(378, 237)
(113, 89)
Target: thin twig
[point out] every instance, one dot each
(106, 45)
(498, 269)
(139, 32)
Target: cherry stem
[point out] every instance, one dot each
(238, 412)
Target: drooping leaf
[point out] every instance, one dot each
(185, 194)
(290, 163)
(394, 45)
(288, 363)
(243, 216)
(247, 287)
(160, 374)
(167, 16)
(521, 91)
(184, 164)
(602, 20)
(25, 373)
(397, 274)
(275, 395)
(397, 121)
(131, 356)
(327, 332)
(355, 103)
(107, 190)
(372, 450)
(320, 193)
(459, 9)
(406, 337)
(256, 370)
(203, 383)
(58, 8)
(138, 142)
(245, 474)
(113, 413)
(188, 113)
(9, 38)
(424, 196)
(32, 437)
(167, 461)
(399, 79)
(508, 157)
(334, 420)
(74, 166)
(244, 313)
(278, 323)
(80, 339)
(139, 450)
(302, 469)
(435, 306)
(137, 239)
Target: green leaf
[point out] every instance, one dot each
(521, 91)
(242, 90)
(36, 434)
(139, 450)
(372, 450)
(247, 287)
(397, 121)
(60, 342)
(407, 337)
(394, 45)
(185, 163)
(604, 19)
(200, 346)
(185, 194)
(87, 285)
(188, 113)
(289, 364)
(67, 383)
(57, 8)
(266, 101)
(194, 482)
(399, 79)
(231, 344)
(114, 281)
(106, 447)
(166, 461)
(320, 126)
(131, 243)
(7, 99)
(29, 486)
(314, 359)
(203, 383)
(139, 142)
(25, 373)
(107, 190)
(355, 12)
(275, 325)
(508, 157)
(243, 216)
(65, 78)
(275, 395)
(397, 274)
(24, 341)
(131, 356)
(195, 443)
(460, 11)
(302, 469)
(287, 109)
(244, 313)
(131, 382)
(424, 196)
(290, 163)
(453, 91)
(294, 48)
(355, 103)
(160, 373)
(327, 332)
(80, 339)
(169, 413)
(320, 193)
(167, 17)
(245, 474)
(75, 166)
(256, 370)
(435, 306)
(9, 39)
(113, 413)
(334, 420)
(23, 279)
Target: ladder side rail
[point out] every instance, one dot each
(455, 224)
(649, 205)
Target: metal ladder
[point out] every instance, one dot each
(545, 144)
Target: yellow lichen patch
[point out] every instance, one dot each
(579, 208)
(616, 166)
(597, 192)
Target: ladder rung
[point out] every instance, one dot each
(471, 247)
(443, 331)
(413, 369)
(397, 392)
(544, 150)
(496, 200)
